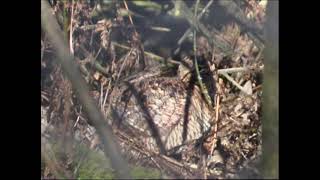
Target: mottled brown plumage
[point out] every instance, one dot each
(166, 107)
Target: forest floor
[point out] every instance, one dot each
(112, 40)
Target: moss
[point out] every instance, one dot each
(94, 165)
(97, 166)
(140, 172)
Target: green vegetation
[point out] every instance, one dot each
(90, 164)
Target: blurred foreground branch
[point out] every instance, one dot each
(111, 148)
(270, 120)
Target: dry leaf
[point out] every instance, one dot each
(248, 87)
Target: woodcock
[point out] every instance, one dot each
(163, 112)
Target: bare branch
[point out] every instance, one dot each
(111, 148)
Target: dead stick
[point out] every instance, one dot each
(234, 82)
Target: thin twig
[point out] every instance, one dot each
(152, 154)
(118, 76)
(154, 28)
(97, 54)
(78, 118)
(243, 155)
(92, 62)
(122, 65)
(95, 64)
(234, 82)
(204, 164)
(126, 6)
(71, 30)
(159, 58)
(258, 56)
(220, 71)
(233, 70)
(185, 35)
(161, 29)
(257, 87)
(203, 91)
(215, 131)
(130, 18)
(44, 97)
(234, 121)
(107, 92)
(171, 160)
(151, 55)
(101, 96)
(220, 43)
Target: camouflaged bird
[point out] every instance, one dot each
(164, 112)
